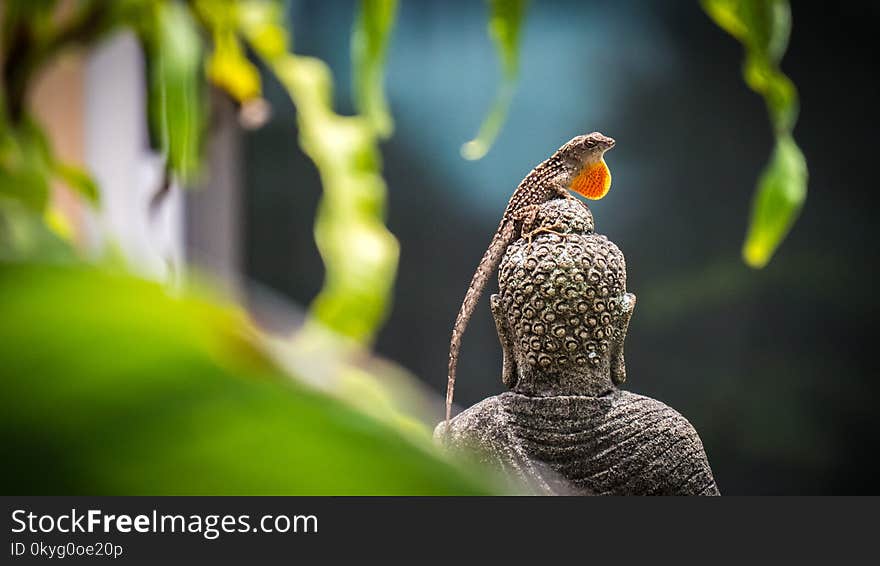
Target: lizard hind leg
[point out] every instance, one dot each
(526, 218)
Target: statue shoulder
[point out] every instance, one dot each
(674, 447)
(485, 418)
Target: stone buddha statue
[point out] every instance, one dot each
(564, 426)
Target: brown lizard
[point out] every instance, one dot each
(579, 166)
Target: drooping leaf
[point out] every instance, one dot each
(228, 66)
(26, 184)
(760, 25)
(778, 91)
(24, 20)
(778, 200)
(175, 94)
(505, 27)
(22, 30)
(78, 180)
(763, 27)
(263, 24)
(109, 386)
(26, 235)
(359, 253)
(369, 45)
(25, 165)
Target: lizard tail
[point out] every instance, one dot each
(487, 266)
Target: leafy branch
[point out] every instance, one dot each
(763, 28)
(360, 254)
(186, 43)
(505, 27)
(369, 46)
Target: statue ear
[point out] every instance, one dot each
(508, 364)
(618, 365)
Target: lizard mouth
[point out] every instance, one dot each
(606, 143)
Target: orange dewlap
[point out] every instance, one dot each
(594, 181)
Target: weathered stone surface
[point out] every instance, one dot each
(619, 443)
(565, 427)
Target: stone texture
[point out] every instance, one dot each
(565, 428)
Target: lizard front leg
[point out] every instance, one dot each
(525, 218)
(529, 215)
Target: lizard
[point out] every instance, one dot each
(577, 166)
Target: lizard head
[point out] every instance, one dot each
(584, 163)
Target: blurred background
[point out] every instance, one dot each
(772, 366)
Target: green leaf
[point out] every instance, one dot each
(109, 385)
(763, 27)
(360, 255)
(777, 89)
(760, 25)
(78, 180)
(228, 66)
(369, 45)
(26, 235)
(25, 19)
(30, 186)
(175, 94)
(263, 24)
(25, 165)
(777, 203)
(505, 25)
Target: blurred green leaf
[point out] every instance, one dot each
(778, 202)
(778, 91)
(360, 254)
(27, 185)
(25, 234)
(505, 26)
(228, 66)
(369, 45)
(176, 105)
(110, 386)
(262, 22)
(24, 20)
(78, 180)
(25, 165)
(763, 27)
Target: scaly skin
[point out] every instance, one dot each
(578, 166)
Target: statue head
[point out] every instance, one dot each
(562, 311)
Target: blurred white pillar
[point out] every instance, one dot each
(128, 172)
